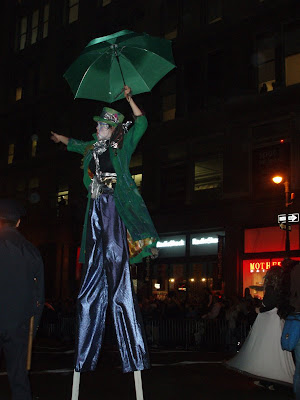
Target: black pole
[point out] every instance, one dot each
(287, 235)
(287, 232)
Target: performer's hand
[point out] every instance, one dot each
(127, 93)
(128, 96)
(55, 137)
(59, 138)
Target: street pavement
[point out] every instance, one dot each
(175, 374)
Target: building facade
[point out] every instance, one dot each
(220, 126)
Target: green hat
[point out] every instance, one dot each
(109, 116)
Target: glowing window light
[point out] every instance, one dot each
(203, 279)
(192, 280)
(172, 280)
(18, 93)
(209, 240)
(171, 243)
(11, 152)
(157, 285)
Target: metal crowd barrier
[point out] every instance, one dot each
(215, 334)
(196, 333)
(62, 327)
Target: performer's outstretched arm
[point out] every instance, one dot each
(59, 138)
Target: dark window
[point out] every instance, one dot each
(214, 11)
(215, 76)
(292, 54)
(173, 184)
(267, 162)
(265, 63)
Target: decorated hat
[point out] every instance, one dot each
(109, 116)
(11, 209)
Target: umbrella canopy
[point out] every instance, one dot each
(107, 63)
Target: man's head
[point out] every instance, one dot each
(10, 212)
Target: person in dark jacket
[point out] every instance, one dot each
(21, 296)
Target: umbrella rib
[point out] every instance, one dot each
(88, 71)
(142, 49)
(138, 74)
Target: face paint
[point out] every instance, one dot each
(103, 131)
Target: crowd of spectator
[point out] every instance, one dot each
(231, 313)
(207, 305)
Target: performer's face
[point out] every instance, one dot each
(104, 131)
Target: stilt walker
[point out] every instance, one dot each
(118, 229)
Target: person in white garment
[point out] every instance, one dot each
(261, 355)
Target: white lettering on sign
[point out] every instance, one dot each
(209, 240)
(171, 243)
(262, 265)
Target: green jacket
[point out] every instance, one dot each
(128, 200)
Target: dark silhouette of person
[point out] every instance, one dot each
(21, 296)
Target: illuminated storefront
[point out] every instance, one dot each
(267, 241)
(187, 263)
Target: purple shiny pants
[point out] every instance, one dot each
(106, 281)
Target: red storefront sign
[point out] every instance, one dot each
(262, 264)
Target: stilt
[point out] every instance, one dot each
(138, 385)
(75, 388)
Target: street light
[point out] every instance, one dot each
(277, 179)
(288, 197)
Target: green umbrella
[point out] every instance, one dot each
(109, 62)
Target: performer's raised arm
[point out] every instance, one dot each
(59, 138)
(135, 109)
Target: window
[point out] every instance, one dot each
(21, 185)
(173, 184)
(73, 10)
(19, 91)
(268, 161)
(215, 77)
(21, 40)
(62, 196)
(292, 54)
(21, 189)
(266, 63)
(208, 174)
(171, 35)
(292, 70)
(175, 152)
(34, 142)
(136, 160)
(33, 195)
(34, 183)
(138, 180)
(46, 20)
(34, 26)
(214, 11)
(169, 107)
(11, 152)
